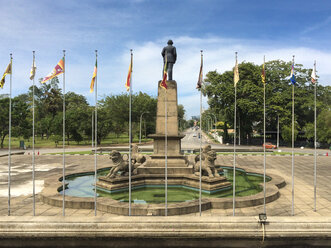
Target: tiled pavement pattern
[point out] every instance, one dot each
(304, 190)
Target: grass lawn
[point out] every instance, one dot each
(49, 143)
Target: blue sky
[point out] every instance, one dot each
(277, 29)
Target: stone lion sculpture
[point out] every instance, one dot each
(205, 149)
(208, 158)
(121, 166)
(136, 157)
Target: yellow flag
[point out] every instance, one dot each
(33, 70)
(94, 76)
(263, 73)
(7, 71)
(236, 74)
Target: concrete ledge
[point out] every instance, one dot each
(183, 231)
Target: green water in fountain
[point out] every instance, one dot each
(246, 184)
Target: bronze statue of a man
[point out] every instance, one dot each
(170, 51)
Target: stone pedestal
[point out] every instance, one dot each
(176, 161)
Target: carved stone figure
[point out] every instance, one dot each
(120, 165)
(208, 158)
(170, 52)
(205, 149)
(136, 158)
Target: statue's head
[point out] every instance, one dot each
(115, 156)
(206, 148)
(211, 156)
(170, 42)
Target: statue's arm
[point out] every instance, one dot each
(163, 52)
(175, 54)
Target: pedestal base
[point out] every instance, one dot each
(208, 185)
(173, 147)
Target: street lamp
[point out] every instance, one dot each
(208, 118)
(215, 118)
(141, 116)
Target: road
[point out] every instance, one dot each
(191, 140)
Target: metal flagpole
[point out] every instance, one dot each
(141, 116)
(239, 130)
(293, 142)
(92, 128)
(200, 170)
(200, 167)
(264, 155)
(33, 155)
(9, 135)
(234, 145)
(166, 153)
(278, 132)
(130, 134)
(96, 136)
(63, 134)
(315, 140)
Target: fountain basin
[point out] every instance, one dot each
(51, 195)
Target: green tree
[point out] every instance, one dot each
(77, 118)
(20, 125)
(182, 124)
(220, 94)
(324, 126)
(48, 102)
(117, 107)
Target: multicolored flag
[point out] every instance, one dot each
(94, 76)
(200, 79)
(313, 76)
(263, 73)
(58, 69)
(33, 70)
(128, 79)
(165, 74)
(292, 76)
(7, 71)
(236, 74)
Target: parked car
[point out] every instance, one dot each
(269, 145)
(194, 135)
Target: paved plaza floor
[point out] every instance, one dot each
(46, 165)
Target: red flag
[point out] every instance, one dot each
(128, 79)
(58, 69)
